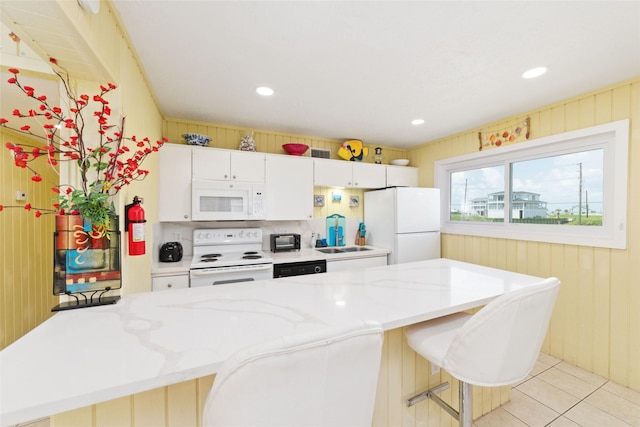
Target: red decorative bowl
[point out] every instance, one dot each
(295, 149)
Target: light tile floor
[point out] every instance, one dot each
(558, 394)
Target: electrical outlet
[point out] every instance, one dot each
(21, 195)
(434, 369)
(177, 236)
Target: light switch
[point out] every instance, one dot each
(21, 195)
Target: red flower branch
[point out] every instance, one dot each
(105, 162)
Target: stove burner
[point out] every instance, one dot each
(251, 257)
(251, 253)
(209, 259)
(210, 256)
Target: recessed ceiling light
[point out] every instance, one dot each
(534, 72)
(264, 91)
(417, 122)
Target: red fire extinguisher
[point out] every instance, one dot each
(135, 227)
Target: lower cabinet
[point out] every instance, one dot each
(355, 264)
(166, 283)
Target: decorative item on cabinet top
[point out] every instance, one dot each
(295, 149)
(247, 143)
(353, 150)
(196, 139)
(378, 156)
(400, 162)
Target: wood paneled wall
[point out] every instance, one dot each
(26, 245)
(594, 325)
(596, 321)
(26, 242)
(228, 137)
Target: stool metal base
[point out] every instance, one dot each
(464, 416)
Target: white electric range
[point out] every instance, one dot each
(228, 255)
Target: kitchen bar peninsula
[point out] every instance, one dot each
(150, 340)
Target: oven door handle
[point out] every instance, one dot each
(222, 270)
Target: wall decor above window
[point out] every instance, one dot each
(518, 132)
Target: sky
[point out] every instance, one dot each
(556, 179)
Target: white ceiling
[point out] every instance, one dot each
(364, 70)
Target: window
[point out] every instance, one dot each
(475, 194)
(559, 190)
(568, 188)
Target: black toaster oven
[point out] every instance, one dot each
(285, 242)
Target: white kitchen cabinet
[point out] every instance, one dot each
(166, 283)
(368, 175)
(228, 165)
(355, 264)
(402, 176)
(289, 187)
(341, 173)
(174, 182)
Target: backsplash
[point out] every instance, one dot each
(309, 230)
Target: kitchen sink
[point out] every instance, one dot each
(342, 250)
(330, 250)
(356, 249)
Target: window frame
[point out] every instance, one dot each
(613, 138)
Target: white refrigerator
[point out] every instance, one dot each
(405, 220)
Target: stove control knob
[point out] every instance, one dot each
(241, 234)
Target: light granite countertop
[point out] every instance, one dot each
(304, 254)
(314, 254)
(150, 340)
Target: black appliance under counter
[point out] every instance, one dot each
(299, 268)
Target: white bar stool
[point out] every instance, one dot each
(497, 346)
(324, 378)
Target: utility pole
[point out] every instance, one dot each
(580, 195)
(586, 202)
(464, 206)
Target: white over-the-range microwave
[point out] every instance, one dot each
(227, 200)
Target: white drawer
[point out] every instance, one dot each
(165, 283)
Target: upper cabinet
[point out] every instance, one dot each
(228, 165)
(402, 176)
(340, 173)
(288, 180)
(368, 175)
(174, 183)
(289, 187)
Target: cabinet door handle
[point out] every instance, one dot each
(169, 285)
(234, 177)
